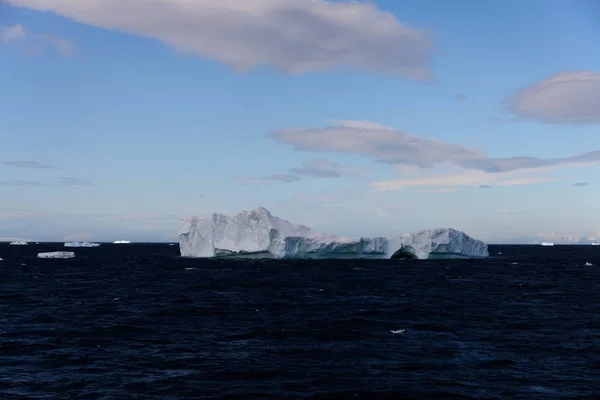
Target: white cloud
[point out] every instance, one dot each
(321, 168)
(10, 33)
(571, 97)
(295, 36)
(446, 181)
(384, 144)
(314, 168)
(398, 148)
(18, 32)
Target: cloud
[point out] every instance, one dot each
(69, 181)
(314, 168)
(384, 144)
(571, 97)
(517, 163)
(581, 184)
(21, 183)
(270, 178)
(435, 190)
(16, 32)
(63, 46)
(460, 97)
(295, 36)
(453, 176)
(485, 187)
(321, 168)
(28, 164)
(395, 147)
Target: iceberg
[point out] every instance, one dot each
(18, 243)
(259, 234)
(57, 254)
(81, 244)
(121, 242)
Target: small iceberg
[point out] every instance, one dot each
(81, 244)
(121, 242)
(589, 264)
(18, 243)
(57, 254)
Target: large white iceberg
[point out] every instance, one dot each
(259, 234)
(81, 244)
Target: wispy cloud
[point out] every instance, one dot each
(485, 187)
(571, 97)
(287, 178)
(28, 164)
(67, 181)
(21, 183)
(61, 45)
(395, 147)
(35, 41)
(295, 36)
(314, 168)
(435, 190)
(70, 181)
(10, 33)
(581, 184)
(460, 97)
(453, 176)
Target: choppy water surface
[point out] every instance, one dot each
(138, 322)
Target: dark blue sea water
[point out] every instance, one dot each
(138, 322)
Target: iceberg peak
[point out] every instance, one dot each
(257, 233)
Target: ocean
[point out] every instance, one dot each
(139, 322)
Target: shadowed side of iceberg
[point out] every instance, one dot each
(258, 234)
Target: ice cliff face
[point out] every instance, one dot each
(257, 233)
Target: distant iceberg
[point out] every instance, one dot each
(18, 243)
(81, 244)
(57, 254)
(258, 234)
(121, 242)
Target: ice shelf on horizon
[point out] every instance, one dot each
(258, 234)
(81, 244)
(57, 254)
(18, 243)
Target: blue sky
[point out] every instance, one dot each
(119, 117)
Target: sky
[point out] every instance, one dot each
(377, 118)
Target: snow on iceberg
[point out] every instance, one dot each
(259, 234)
(57, 254)
(81, 244)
